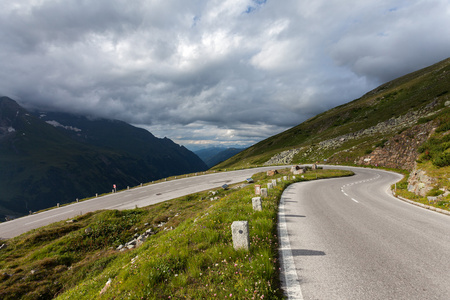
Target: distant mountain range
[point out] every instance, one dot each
(214, 155)
(48, 158)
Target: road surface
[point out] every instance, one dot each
(129, 199)
(349, 238)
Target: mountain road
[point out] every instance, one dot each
(129, 199)
(349, 238)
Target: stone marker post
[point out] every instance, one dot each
(256, 202)
(239, 230)
(285, 178)
(269, 186)
(264, 192)
(257, 189)
(274, 182)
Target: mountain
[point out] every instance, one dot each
(400, 124)
(214, 155)
(55, 158)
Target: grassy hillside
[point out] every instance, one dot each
(358, 127)
(190, 255)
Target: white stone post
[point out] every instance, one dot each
(239, 230)
(256, 202)
(264, 192)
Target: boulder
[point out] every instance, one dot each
(272, 172)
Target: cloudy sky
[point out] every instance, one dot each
(229, 72)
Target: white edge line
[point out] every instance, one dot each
(291, 281)
(49, 217)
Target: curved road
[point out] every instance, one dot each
(128, 199)
(349, 238)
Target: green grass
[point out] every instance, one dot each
(195, 260)
(437, 148)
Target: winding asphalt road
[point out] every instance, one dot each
(345, 238)
(349, 238)
(128, 199)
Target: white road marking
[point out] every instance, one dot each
(355, 200)
(292, 284)
(52, 216)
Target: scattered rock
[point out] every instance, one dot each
(138, 239)
(272, 172)
(88, 230)
(108, 283)
(283, 158)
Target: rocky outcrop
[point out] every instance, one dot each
(282, 158)
(386, 127)
(399, 152)
(420, 183)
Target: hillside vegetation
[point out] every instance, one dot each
(403, 124)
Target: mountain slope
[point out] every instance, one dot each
(41, 165)
(213, 156)
(163, 156)
(350, 132)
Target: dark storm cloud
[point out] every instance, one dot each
(210, 72)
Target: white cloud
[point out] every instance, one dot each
(222, 71)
